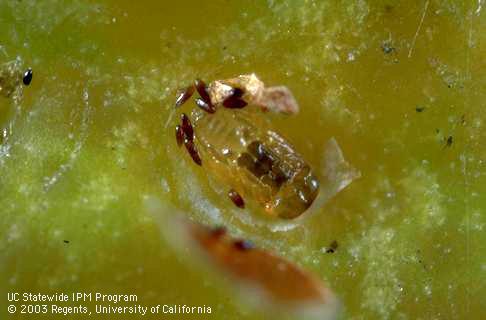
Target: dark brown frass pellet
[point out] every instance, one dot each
(183, 95)
(243, 245)
(187, 127)
(202, 90)
(191, 148)
(236, 198)
(179, 135)
(203, 105)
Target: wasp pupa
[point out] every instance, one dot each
(255, 161)
(243, 152)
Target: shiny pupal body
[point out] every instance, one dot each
(240, 149)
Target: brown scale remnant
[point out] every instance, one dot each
(187, 127)
(236, 198)
(183, 95)
(179, 135)
(204, 106)
(280, 281)
(191, 148)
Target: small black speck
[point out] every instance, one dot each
(224, 48)
(66, 241)
(419, 109)
(449, 141)
(332, 247)
(27, 79)
(387, 48)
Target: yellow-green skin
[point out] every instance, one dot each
(90, 145)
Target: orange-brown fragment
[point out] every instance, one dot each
(277, 278)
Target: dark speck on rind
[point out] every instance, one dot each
(27, 78)
(387, 48)
(243, 245)
(449, 141)
(419, 109)
(66, 241)
(332, 247)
